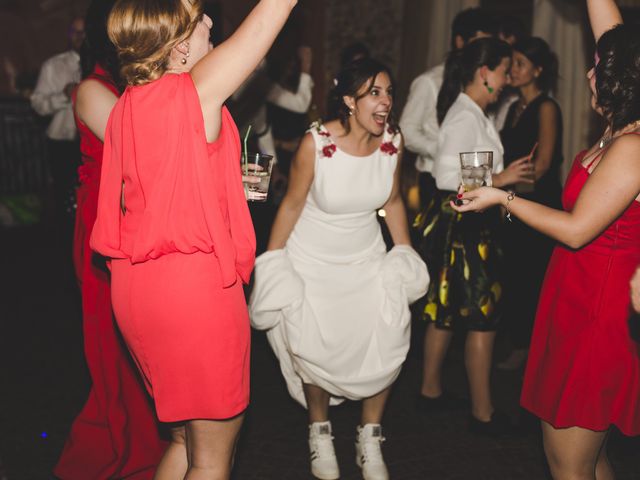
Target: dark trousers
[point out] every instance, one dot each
(426, 188)
(64, 158)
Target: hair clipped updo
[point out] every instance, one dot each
(145, 31)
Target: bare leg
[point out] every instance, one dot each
(173, 465)
(436, 344)
(477, 359)
(573, 453)
(317, 403)
(603, 467)
(373, 407)
(210, 448)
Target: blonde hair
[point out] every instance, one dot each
(145, 31)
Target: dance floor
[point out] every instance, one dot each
(43, 384)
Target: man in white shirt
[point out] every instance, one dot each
(418, 121)
(52, 96)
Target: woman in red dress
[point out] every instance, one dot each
(583, 372)
(115, 435)
(173, 219)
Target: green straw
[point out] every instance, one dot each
(245, 154)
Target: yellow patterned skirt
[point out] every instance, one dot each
(465, 264)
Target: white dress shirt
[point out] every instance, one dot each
(49, 98)
(297, 102)
(419, 122)
(465, 128)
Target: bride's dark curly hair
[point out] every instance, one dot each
(618, 75)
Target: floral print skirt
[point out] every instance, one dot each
(465, 261)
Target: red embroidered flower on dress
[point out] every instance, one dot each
(329, 150)
(389, 148)
(323, 133)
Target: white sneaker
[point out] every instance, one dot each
(369, 454)
(324, 464)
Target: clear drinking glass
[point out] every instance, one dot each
(257, 167)
(476, 169)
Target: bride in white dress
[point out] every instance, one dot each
(334, 302)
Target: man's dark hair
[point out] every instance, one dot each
(510, 26)
(469, 22)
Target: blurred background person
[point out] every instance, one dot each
(511, 30)
(533, 120)
(58, 76)
(352, 52)
(116, 433)
(419, 121)
(288, 100)
(463, 253)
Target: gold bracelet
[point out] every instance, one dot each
(511, 195)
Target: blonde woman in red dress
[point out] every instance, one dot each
(172, 217)
(583, 372)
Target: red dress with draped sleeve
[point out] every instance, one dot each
(115, 435)
(173, 218)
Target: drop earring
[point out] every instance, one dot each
(488, 87)
(186, 56)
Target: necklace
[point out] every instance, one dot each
(608, 136)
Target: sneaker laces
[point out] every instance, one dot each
(370, 449)
(321, 444)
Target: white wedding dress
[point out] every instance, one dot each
(334, 302)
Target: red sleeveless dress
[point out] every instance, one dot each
(173, 218)
(584, 368)
(115, 435)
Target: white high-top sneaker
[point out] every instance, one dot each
(369, 454)
(324, 464)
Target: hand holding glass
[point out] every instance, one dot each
(476, 169)
(256, 174)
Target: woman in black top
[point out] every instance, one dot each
(534, 120)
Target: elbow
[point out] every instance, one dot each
(577, 238)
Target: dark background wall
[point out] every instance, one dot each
(33, 30)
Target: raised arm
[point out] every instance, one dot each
(94, 103)
(226, 67)
(396, 216)
(300, 179)
(610, 189)
(603, 16)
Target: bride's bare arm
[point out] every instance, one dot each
(300, 179)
